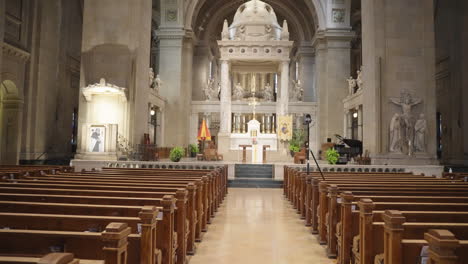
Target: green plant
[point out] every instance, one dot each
(297, 140)
(193, 148)
(294, 148)
(176, 154)
(332, 155)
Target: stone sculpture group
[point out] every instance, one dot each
(353, 83)
(406, 133)
(297, 92)
(210, 91)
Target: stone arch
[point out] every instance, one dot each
(316, 7)
(10, 121)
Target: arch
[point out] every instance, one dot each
(315, 6)
(10, 122)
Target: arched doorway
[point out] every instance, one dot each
(10, 115)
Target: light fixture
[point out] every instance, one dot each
(355, 115)
(152, 112)
(307, 119)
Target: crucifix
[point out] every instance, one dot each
(253, 102)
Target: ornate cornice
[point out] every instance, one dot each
(15, 52)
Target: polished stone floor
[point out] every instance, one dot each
(258, 226)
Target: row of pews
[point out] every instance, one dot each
(376, 218)
(114, 216)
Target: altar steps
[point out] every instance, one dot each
(254, 176)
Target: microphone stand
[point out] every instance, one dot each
(313, 156)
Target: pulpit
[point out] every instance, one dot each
(244, 152)
(264, 152)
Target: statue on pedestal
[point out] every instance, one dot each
(351, 85)
(157, 83)
(359, 80)
(395, 134)
(210, 90)
(151, 78)
(268, 93)
(420, 134)
(297, 92)
(238, 93)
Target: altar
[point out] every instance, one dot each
(255, 140)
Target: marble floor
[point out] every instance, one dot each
(258, 226)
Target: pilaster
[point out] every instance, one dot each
(332, 49)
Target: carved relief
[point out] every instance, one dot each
(338, 15)
(171, 15)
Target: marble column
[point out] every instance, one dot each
(224, 141)
(307, 72)
(201, 71)
(283, 102)
(360, 120)
(193, 133)
(244, 80)
(225, 104)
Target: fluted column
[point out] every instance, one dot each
(282, 105)
(225, 103)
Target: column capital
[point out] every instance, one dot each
(325, 37)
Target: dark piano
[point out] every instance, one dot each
(348, 148)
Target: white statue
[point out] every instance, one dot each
(151, 78)
(395, 134)
(238, 93)
(268, 93)
(351, 85)
(420, 134)
(359, 81)
(407, 102)
(157, 83)
(297, 92)
(210, 90)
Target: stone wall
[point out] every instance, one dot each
(398, 55)
(451, 25)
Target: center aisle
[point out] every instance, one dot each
(258, 226)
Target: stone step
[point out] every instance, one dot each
(255, 183)
(263, 171)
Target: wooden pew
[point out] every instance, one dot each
(444, 247)
(198, 196)
(108, 190)
(51, 258)
(144, 225)
(110, 245)
(396, 230)
(166, 227)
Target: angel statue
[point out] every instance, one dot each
(351, 85)
(209, 90)
(157, 83)
(359, 80)
(268, 93)
(238, 92)
(297, 92)
(151, 78)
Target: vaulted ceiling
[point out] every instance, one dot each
(208, 16)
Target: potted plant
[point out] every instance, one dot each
(176, 154)
(332, 156)
(296, 142)
(193, 149)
